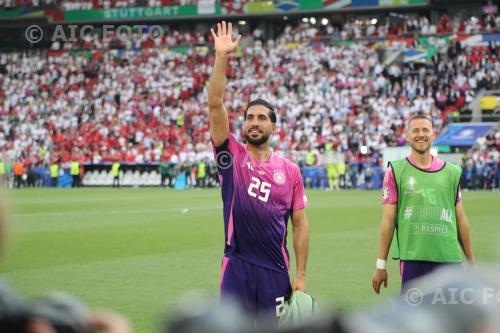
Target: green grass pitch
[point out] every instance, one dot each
(137, 250)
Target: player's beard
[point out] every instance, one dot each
(418, 148)
(257, 141)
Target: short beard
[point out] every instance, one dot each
(421, 151)
(257, 142)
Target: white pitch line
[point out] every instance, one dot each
(117, 212)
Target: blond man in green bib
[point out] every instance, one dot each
(423, 215)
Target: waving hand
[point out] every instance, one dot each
(223, 39)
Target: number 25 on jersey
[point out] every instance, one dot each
(259, 190)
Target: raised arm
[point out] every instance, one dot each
(219, 122)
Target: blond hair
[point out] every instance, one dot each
(419, 116)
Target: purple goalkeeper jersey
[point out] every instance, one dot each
(258, 198)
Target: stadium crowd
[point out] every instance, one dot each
(391, 27)
(148, 104)
(91, 4)
(153, 37)
(352, 28)
(481, 164)
(107, 4)
(399, 25)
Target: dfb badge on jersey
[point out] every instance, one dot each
(279, 177)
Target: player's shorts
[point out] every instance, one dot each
(411, 270)
(260, 291)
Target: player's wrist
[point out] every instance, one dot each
(300, 275)
(221, 54)
(380, 264)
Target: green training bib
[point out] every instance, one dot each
(426, 226)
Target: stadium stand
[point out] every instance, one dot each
(15, 4)
(91, 4)
(400, 25)
(97, 100)
(480, 166)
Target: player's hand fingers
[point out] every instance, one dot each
(219, 29)
(237, 41)
(298, 284)
(376, 288)
(229, 29)
(213, 34)
(385, 283)
(224, 31)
